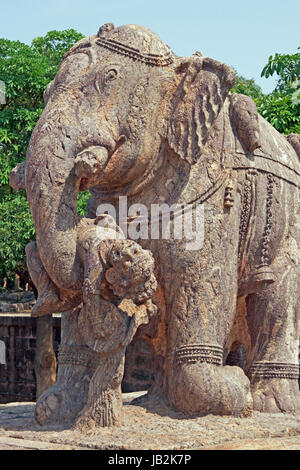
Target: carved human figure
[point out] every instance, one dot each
(126, 117)
(116, 292)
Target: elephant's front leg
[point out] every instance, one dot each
(201, 289)
(62, 403)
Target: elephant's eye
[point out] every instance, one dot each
(111, 75)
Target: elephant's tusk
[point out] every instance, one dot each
(90, 161)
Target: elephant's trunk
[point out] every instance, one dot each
(52, 185)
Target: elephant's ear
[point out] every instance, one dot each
(203, 86)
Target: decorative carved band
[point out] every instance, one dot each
(276, 370)
(268, 225)
(192, 353)
(78, 356)
(248, 203)
(149, 59)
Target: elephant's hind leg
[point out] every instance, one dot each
(273, 365)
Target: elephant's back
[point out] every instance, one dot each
(275, 154)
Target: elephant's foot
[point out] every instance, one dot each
(102, 411)
(202, 388)
(47, 408)
(62, 403)
(276, 395)
(48, 302)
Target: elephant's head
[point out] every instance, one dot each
(118, 100)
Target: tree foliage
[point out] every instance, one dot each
(286, 66)
(55, 44)
(247, 87)
(281, 107)
(16, 230)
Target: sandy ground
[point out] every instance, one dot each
(152, 425)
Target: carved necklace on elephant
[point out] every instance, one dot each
(190, 205)
(263, 271)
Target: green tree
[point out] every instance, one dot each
(281, 111)
(25, 70)
(286, 66)
(247, 87)
(16, 230)
(55, 44)
(282, 107)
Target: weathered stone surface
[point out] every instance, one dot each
(118, 284)
(125, 117)
(294, 140)
(152, 425)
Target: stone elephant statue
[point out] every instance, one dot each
(126, 117)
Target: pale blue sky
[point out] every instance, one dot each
(241, 34)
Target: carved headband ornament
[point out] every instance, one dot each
(158, 60)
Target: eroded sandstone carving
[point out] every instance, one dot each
(126, 117)
(115, 300)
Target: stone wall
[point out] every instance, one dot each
(16, 301)
(139, 367)
(17, 352)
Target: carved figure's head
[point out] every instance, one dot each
(131, 272)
